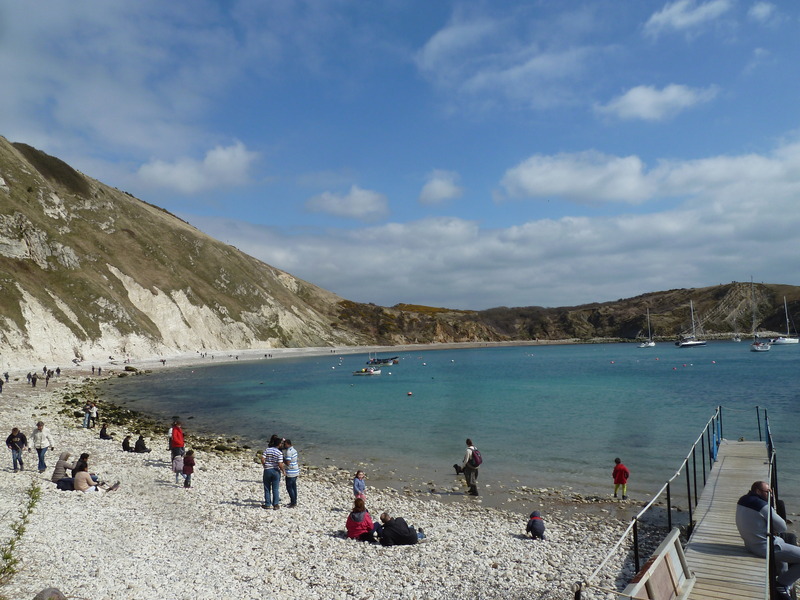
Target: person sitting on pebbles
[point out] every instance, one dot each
(85, 483)
(104, 435)
(396, 532)
(140, 446)
(126, 444)
(359, 523)
(535, 526)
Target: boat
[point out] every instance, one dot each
(367, 371)
(649, 343)
(690, 341)
(382, 361)
(785, 340)
(757, 345)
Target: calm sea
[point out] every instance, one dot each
(542, 416)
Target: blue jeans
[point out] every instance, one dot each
(291, 489)
(41, 453)
(16, 457)
(86, 420)
(272, 487)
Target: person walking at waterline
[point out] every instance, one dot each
(620, 475)
(469, 466)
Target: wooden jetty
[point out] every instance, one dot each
(715, 552)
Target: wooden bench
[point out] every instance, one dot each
(666, 576)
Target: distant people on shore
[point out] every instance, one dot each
(359, 486)
(87, 414)
(396, 532)
(126, 444)
(42, 442)
(359, 523)
(291, 462)
(140, 445)
(620, 476)
(469, 467)
(752, 512)
(104, 435)
(17, 442)
(272, 461)
(188, 469)
(535, 527)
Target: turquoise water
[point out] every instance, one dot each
(542, 416)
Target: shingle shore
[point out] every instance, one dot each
(153, 539)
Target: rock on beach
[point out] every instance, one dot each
(154, 539)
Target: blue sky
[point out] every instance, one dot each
(459, 154)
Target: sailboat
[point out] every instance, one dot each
(649, 343)
(783, 341)
(757, 345)
(690, 341)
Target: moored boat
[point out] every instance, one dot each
(649, 343)
(690, 341)
(787, 339)
(367, 371)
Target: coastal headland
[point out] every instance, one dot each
(153, 539)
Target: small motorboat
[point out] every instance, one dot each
(367, 371)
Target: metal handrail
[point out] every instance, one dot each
(709, 441)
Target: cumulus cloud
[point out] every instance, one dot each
(585, 177)
(221, 167)
(738, 216)
(650, 104)
(358, 203)
(686, 15)
(440, 187)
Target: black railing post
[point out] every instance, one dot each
(689, 499)
(669, 510)
(720, 422)
(636, 543)
(774, 483)
(758, 418)
(694, 471)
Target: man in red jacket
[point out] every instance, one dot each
(176, 443)
(620, 475)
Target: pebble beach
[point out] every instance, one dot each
(154, 539)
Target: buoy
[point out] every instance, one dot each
(713, 362)
(612, 362)
(674, 368)
(409, 394)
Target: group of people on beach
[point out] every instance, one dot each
(280, 458)
(80, 479)
(41, 441)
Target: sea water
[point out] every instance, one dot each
(542, 416)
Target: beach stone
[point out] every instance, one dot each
(50, 594)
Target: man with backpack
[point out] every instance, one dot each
(472, 461)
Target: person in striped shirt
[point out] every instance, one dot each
(292, 464)
(272, 461)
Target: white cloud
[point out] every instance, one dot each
(358, 203)
(686, 15)
(586, 177)
(651, 104)
(484, 60)
(761, 12)
(440, 187)
(221, 167)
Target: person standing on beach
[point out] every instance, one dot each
(17, 442)
(42, 442)
(359, 487)
(470, 469)
(292, 463)
(176, 443)
(87, 413)
(620, 475)
(188, 468)
(272, 461)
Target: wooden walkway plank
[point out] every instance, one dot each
(715, 552)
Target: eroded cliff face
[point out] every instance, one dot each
(89, 271)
